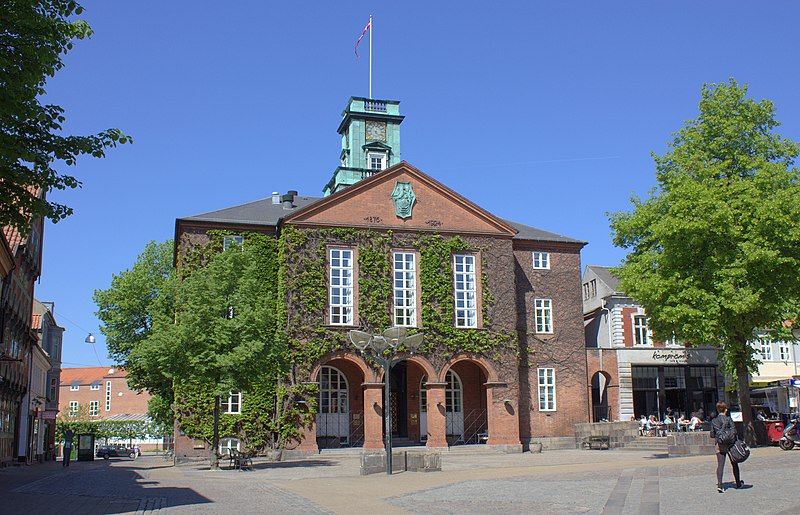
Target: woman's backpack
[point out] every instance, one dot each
(726, 435)
(739, 451)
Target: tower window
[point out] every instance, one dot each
(376, 161)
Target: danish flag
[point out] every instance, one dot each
(368, 27)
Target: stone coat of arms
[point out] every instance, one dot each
(404, 199)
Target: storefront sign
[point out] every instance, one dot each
(796, 383)
(49, 415)
(671, 356)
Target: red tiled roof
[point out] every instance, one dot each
(36, 322)
(13, 237)
(89, 375)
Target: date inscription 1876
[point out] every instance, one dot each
(433, 223)
(373, 219)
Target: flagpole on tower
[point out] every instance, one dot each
(370, 56)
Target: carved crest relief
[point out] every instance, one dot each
(404, 199)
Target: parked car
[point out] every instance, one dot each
(115, 451)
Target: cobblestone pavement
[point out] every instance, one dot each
(602, 482)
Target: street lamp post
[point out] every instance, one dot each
(383, 350)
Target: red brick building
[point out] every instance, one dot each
(511, 282)
(100, 391)
(629, 373)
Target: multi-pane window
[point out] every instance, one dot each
(94, 408)
(226, 445)
(341, 287)
(785, 351)
(332, 391)
(453, 400)
(73, 408)
(640, 330)
(544, 315)
(53, 389)
(232, 241)
(74, 387)
(108, 395)
(547, 389)
(94, 386)
(466, 290)
(232, 405)
(764, 348)
(541, 260)
(405, 289)
(376, 161)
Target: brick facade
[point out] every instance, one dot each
(123, 400)
(498, 390)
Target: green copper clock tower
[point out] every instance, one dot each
(370, 131)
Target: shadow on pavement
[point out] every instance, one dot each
(116, 488)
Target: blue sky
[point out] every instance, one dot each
(541, 112)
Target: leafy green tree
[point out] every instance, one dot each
(34, 36)
(713, 251)
(128, 309)
(222, 337)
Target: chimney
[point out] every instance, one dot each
(276, 197)
(288, 200)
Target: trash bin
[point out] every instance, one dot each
(85, 447)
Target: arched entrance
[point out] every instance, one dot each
(600, 409)
(465, 403)
(333, 408)
(408, 402)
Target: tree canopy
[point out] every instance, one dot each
(713, 251)
(128, 308)
(34, 37)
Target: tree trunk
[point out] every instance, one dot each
(215, 438)
(743, 380)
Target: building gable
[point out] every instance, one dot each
(369, 203)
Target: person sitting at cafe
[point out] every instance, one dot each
(683, 423)
(695, 423)
(668, 419)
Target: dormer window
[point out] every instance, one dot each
(376, 161)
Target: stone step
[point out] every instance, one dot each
(654, 443)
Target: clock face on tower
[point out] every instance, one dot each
(376, 131)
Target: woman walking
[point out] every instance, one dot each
(724, 434)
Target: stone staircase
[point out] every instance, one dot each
(648, 443)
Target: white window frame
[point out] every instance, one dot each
(74, 408)
(381, 156)
(74, 387)
(764, 348)
(108, 395)
(94, 386)
(226, 444)
(341, 286)
(226, 405)
(546, 381)
(404, 271)
(232, 239)
(785, 351)
(465, 283)
(541, 260)
(641, 332)
(94, 408)
(543, 314)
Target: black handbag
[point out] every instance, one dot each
(739, 451)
